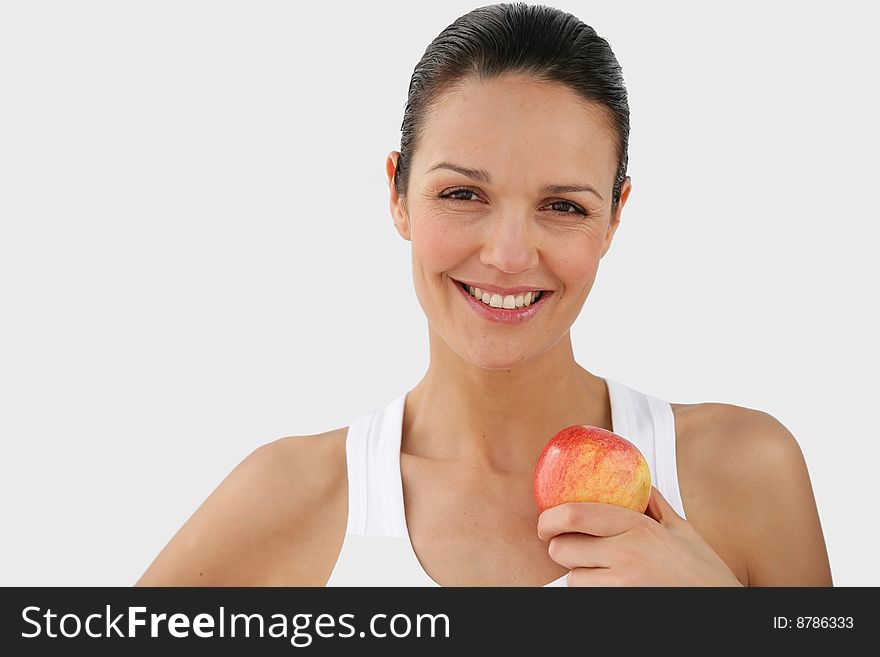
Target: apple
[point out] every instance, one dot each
(582, 463)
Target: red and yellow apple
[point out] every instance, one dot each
(582, 463)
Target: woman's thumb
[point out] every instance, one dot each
(660, 510)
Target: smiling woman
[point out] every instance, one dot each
(509, 185)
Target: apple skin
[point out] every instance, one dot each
(582, 463)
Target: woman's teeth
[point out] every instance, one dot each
(509, 301)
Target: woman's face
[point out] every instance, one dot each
(506, 229)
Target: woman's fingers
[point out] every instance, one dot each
(588, 518)
(582, 550)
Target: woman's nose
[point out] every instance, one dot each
(510, 244)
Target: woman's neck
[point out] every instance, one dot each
(499, 419)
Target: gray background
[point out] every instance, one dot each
(197, 256)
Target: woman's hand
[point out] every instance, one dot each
(608, 545)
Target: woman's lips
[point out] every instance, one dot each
(502, 315)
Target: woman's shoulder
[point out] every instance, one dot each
(743, 477)
(732, 439)
(305, 452)
(278, 518)
(312, 466)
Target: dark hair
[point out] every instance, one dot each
(540, 41)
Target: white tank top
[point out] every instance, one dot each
(377, 550)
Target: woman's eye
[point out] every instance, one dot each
(577, 209)
(452, 195)
(566, 206)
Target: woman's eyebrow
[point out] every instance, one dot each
(564, 189)
(476, 174)
(483, 175)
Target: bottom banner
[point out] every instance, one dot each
(272, 620)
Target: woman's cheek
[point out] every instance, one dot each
(576, 260)
(440, 243)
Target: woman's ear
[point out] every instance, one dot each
(397, 205)
(615, 220)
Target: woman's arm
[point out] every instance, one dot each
(787, 544)
(759, 481)
(274, 520)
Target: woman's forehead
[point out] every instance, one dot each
(514, 123)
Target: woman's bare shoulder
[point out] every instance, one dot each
(731, 440)
(745, 487)
(277, 519)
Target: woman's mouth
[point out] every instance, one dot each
(510, 309)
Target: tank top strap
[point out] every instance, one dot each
(649, 423)
(372, 450)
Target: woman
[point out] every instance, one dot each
(509, 184)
